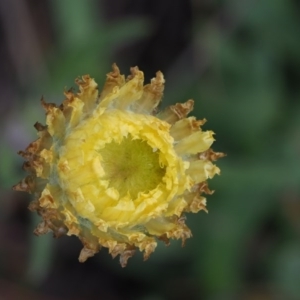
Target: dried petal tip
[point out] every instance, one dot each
(109, 169)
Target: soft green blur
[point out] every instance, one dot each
(245, 82)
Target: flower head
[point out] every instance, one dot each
(111, 170)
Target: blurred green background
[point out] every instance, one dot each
(240, 61)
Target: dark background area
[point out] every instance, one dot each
(240, 62)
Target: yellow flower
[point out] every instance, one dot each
(111, 170)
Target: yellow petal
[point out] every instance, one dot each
(197, 142)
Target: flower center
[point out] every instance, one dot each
(131, 166)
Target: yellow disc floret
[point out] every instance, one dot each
(110, 170)
(131, 166)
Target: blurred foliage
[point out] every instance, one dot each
(242, 66)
